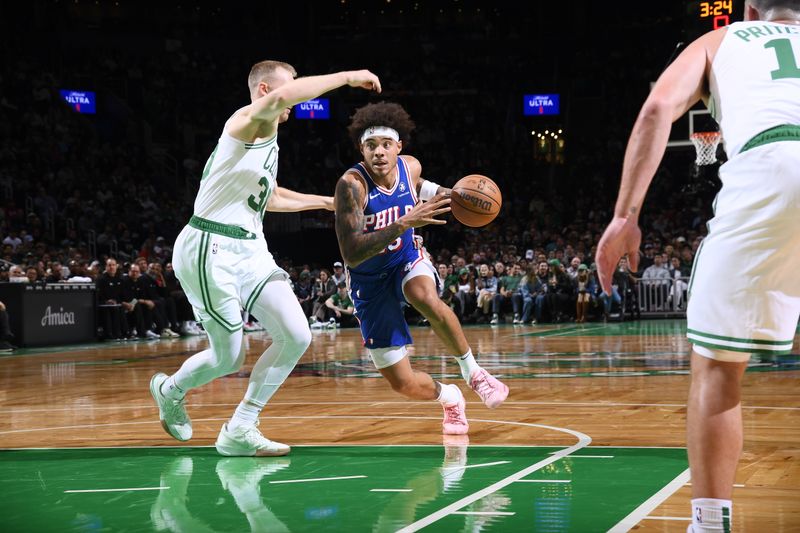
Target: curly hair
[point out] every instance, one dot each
(380, 114)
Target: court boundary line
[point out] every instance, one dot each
(481, 465)
(335, 444)
(313, 479)
(651, 504)
(79, 491)
(583, 441)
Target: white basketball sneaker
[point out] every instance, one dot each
(172, 413)
(247, 441)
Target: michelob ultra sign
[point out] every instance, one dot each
(541, 104)
(80, 101)
(319, 108)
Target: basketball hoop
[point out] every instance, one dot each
(705, 142)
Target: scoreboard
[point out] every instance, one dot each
(716, 14)
(708, 15)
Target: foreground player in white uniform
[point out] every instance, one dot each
(744, 291)
(223, 263)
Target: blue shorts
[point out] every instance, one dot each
(379, 303)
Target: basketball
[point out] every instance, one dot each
(476, 200)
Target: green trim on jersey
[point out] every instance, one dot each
(784, 132)
(255, 146)
(250, 301)
(739, 339)
(207, 169)
(226, 230)
(206, 293)
(759, 351)
(696, 261)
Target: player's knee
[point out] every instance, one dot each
(425, 302)
(230, 361)
(295, 337)
(302, 338)
(239, 359)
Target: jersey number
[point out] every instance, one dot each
(787, 64)
(262, 197)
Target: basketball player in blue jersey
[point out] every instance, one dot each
(378, 203)
(744, 292)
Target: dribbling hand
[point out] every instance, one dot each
(424, 212)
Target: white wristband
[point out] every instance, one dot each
(428, 190)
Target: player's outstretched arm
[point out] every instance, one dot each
(681, 86)
(284, 200)
(270, 107)
(261, 116)
(357, 246)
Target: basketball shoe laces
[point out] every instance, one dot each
(482, 386)
(176, 411)
(453, 414)
(253, 437)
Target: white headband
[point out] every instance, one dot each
(380, 131)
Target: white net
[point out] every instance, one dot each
(705, 143)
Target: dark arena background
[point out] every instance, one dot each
(109, 111)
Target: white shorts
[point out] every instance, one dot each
(222, 275)
(744, 292)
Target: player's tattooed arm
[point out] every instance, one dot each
(355, 245)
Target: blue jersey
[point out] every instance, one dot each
(376, 285)
(383, 207)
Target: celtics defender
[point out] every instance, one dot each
(224, 265)
(744, 291)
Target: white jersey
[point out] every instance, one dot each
(237, 182)
(755, 80)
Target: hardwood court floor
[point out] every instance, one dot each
(590, 439)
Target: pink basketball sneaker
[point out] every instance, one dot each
(492, 391)
(455, 418)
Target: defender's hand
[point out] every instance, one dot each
(364, 79)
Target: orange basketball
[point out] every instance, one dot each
(476, 200)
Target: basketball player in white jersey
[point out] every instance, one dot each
(224, 265)
(744, 291)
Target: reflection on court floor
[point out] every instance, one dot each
(329, 488)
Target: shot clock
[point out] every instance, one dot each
(717, 13)
(707, 15)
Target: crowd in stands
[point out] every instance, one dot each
(100, 198)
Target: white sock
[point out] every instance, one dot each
(709, 514)
(468, 364)
(449, 394)
(171, 390)
(246, 414)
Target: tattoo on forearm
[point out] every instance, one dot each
(355, 245)
(633, 210)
